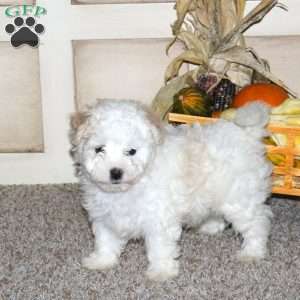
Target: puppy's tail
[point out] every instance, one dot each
(254, 114)
(254, 117)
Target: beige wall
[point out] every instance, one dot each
(283, 55)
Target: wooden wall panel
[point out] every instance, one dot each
(126, 69)
(20, 100)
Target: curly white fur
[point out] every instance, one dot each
(168, 177)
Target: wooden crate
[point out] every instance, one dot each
(290, 176)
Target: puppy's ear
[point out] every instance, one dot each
(77, 119)
(78, 122)
(156, 127)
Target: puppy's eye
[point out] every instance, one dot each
(131, 152)
(99, 149)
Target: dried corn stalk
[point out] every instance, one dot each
(212, 34)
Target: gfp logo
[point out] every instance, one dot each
(25, 29)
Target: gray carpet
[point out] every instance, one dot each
(44, 233)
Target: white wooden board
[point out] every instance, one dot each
(15, 2)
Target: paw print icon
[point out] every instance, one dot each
(24, 32)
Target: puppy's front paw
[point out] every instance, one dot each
(252, 254)
(164, 270)
(96, 261)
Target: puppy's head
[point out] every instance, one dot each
(114, 143)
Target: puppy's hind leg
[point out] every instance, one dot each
(107, 250)
(254, 224)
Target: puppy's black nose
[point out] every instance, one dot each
(116, 174)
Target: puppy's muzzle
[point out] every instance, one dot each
(116, 175)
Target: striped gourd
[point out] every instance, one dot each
(192, 101)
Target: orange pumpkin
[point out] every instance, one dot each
(270, 93)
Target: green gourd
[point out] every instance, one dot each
(191, 101)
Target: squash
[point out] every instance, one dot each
(192, 101)
(269, 93)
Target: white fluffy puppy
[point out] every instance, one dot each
(142, 179)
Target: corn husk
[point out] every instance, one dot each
(246, 57)
(288, 120)
(277, 159)
(288, 107)
(253, 17)
(213, 30)
(228, 114)
(279, 139)
(200, 26)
